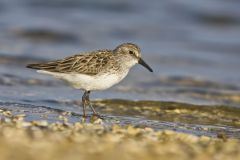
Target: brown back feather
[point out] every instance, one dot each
(89, 64)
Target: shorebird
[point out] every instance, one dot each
(96, 70)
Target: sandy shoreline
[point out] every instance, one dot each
(62, 140)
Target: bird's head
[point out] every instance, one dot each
(132, 51)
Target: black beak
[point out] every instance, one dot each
(141, 61)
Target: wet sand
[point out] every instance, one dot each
(63, 140)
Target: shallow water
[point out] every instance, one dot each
(192, 46)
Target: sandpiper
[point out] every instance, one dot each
(96, 70)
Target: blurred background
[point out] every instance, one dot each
(193, 47)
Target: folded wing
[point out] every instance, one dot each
(89, 64)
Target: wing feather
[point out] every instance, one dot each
(90, 64)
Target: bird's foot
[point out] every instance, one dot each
(97, 115)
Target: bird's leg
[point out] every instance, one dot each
(89, 103)
(84, 101)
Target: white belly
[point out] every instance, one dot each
(86, 82)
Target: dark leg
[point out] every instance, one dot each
(89, 103)
(84, 101)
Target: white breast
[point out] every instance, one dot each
(87, 82)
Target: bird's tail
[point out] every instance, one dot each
(49, 66)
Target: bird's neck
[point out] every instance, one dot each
(126, 61)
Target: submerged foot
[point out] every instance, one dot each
(98, 115)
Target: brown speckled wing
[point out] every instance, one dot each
(89, 64)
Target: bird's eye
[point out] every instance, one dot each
(131, 52)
